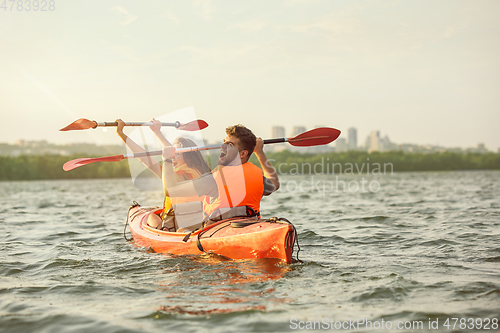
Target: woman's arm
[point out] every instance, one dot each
(149, 162)
(156, 128)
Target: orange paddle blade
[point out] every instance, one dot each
(194, 125)
(80, 124)
(73, 164)
(315, 137)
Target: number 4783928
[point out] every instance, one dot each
(28, 5)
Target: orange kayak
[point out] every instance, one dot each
(235, 238)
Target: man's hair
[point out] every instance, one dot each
(248, 140)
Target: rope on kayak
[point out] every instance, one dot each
(242, 224)
(293, 234)
(219, 219)
(290, 240)
(198, 243)
(134, 204)
(198, 238)
(296, 238)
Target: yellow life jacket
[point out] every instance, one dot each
(184, 173)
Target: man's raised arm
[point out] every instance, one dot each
(269, 170)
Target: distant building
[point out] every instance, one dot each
(374, 143)
(341, 145)
(352, 135)
(296, 130)
(387, 145)
(480, 148)
(20, 143)
(277, 132)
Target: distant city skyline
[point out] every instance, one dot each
(373, 142)
(344, 142)
(40, 147)
(423, 72)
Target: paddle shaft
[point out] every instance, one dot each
(315, 137)
(295, 141)
(114, 124)
(83, 124)
(177, 150)
(188, 149)
(279, 140)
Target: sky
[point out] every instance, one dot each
(423, 72)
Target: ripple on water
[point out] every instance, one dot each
(477, 290)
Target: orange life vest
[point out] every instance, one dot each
(184, 173)
(240, 185)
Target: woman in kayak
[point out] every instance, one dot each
(187, 166)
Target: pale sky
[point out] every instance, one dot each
(424, 72)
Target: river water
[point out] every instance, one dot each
(412, 248)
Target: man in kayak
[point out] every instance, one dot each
(235, 181)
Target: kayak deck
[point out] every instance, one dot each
(235, 238)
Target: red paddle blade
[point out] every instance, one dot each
(80, 124)
(73, 164)
(195, 125)
(315, 137)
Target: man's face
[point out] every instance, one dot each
(230, 152)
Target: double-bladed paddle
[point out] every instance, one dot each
(83, 124)
(314, 137)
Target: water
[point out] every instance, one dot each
(423, 247)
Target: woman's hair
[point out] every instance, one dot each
(193, 159)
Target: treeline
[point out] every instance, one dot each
(29, 167)
(45, 148)
(288, 162)
(33, 167)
